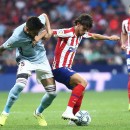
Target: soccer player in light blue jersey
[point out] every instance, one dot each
(30, 58)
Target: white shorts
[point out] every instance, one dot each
(43, 71)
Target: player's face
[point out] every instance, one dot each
(33, 33)
(82, 29)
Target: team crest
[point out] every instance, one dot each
(60, 32)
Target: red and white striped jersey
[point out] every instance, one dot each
(126, 30)
(126, 26)
(66, 47)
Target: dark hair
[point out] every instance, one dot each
(34, 23)
(85, 20)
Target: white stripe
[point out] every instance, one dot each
(64, 51)
(69, 56)
(63, 55)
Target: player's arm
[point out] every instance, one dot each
(104, 37)
(10, 44)
(41, 36)
(48, 27)
(124, 38)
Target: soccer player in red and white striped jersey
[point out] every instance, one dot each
(67, 44)
(125, 44)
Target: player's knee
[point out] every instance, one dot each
(21, 82)
(84, 83)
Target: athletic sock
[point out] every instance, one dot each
(76, 94)
(78, 105)
(45, 102)
(129, 90)
(13, 96)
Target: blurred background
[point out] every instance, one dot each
(102, 63)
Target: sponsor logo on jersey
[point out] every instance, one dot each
(71, 49)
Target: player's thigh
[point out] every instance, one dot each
(45, 77)
(24, 67)
(77, 79)
(48, 81)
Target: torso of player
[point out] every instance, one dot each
(126, 26)
(24, 47)
(126, 30)
(65, 51)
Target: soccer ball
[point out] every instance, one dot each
(83, 118)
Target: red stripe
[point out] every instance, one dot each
(54, 32)
(71, 60)
(58, 51)
(67, 54)
(89, 34)
(69, 30)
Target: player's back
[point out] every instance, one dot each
(24, 47)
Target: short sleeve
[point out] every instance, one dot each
(42, 18)
(11, 43)
(87, 35)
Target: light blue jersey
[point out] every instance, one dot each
(24, 47)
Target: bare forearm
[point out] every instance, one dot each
(103, 37)
(124, 38)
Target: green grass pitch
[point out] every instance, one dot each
(108, 110)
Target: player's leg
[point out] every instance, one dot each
(50, 87)
(78, 104)
(128, 91)
(128, 85)
(14, 93)
(48, 82)
(76, 97)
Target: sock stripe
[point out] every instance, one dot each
(21, 80)
(50, 88)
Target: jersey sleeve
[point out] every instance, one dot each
(87, 35)
(123, 27)
(11, 43)
(42, 18)
(63, 33)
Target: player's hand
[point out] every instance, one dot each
(124, 47)
(114, 37)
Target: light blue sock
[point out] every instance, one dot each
(45, 102)
(13, 96)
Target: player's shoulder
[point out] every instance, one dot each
(69, 31)
(19, 29)
(65, 32)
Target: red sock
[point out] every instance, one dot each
(76, 94)
(129, 89)
(78, 105)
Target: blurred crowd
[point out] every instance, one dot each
(107, 15)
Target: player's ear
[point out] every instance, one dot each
(26, 29)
